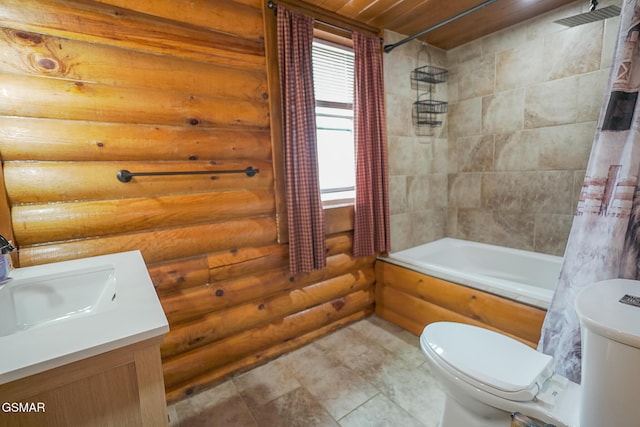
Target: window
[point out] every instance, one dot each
(333, 86)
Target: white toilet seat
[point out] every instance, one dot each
(487, 360)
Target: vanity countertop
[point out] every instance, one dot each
(127, 312)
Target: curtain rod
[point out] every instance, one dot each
(388, 48)
(321, 15)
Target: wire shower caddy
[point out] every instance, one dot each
(426, 110)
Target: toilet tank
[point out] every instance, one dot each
(609, 313)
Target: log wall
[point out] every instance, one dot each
(413, 300)
(89, 88)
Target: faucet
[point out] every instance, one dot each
(5, 259)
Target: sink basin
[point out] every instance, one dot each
(58, 313)
(42, 300)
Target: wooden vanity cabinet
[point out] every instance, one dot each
(119, 388)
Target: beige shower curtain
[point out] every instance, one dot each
(604, 241)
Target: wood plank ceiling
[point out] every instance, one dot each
(409, 17)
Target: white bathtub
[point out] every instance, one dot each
(523, 276)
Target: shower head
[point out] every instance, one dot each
(592, 16)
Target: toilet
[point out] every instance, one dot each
(488, 376)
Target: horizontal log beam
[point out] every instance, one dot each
(76, 100)
(34, 54)
(414, 326)
(25, 138)
(160, 245)
(223, 323)
(172, 276)
(501, 313)
(206, 380)
(226, 16)
(43, 223)
(42, 182)
(182, 368)
(237, 262)
(424, 312)
(105, 24)
(196, 302)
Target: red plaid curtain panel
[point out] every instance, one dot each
(304, 207)
(371, 222)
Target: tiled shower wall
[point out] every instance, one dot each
(523, 107)
(417, 163)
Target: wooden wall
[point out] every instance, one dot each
(88, 88)
(412, 300)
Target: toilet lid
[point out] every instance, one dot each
(499, 364)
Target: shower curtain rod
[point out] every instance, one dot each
(388, 48)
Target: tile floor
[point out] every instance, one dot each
(371, 373)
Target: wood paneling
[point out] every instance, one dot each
(52, 222)
(88, 88)
(215, 355)
(43, 182)
(413, 300)
(410, 17)
(64, 140)
(37, 54)
(71, 100)
(119, 27)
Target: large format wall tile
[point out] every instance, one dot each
(519, 67)
(501, 112)
(564, 147)
(551, 103)
(591, 94)
(516, 151)
(475, 153)
(523, 107)
(465, 118)
(479, 77)
(508, 229)
(574, 51)
(465, 190)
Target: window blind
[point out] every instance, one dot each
(332, 73)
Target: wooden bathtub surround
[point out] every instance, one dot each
(122, 387)
(413, 300)
(93, 87)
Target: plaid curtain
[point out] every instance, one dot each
(304, 207)
(371, 222)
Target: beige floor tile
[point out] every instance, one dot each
(379, 412)
(346, 344)
(336, 387)
(393, 340)
(265, 383)
(371, 373)
(298, 408)
(413, 389)
(220, 406)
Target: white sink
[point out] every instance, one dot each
(55, 297)
(58, 313)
